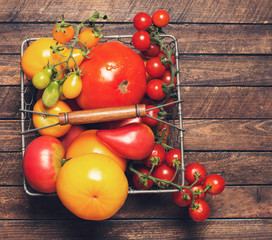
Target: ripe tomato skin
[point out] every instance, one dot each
(163, 128)
(160, 18)
(217, 184)
(87, 37)
(201, 213)
(180, 198)
(63, 35)
(92, 186)
(154, 89)
(142, 21)
(158, 153)
(42, 162)
(192, 169)
(113, 76)
(153, 113)
(77, 57)
(152, 51)
(42, 120)
(173, 157)
(87, 142)
(164, 172)
(167, 78)
(72, 86)
(155, 68)
(137, 183)
(197, 189)
(141, 40)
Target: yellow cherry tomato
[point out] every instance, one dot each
(77, 58)
(88, 37)
(72, 86)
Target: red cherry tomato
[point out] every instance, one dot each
(152, 51)
(173, 157)
(164, 172)
(154, 89)
(142, 21)
(167, 78)
(198, 190)
(153, 113)
(194, 169)
(141, 40)
(201, 212)
(157, 156)
(169, 100)
(163, 57)
(163, 128)
(155, 68)
(160, 18)
(183, 198)
(142, 182)
(216, 182)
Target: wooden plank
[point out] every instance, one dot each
(200, 135)
(211, 70)
(221, 11)
(192, 38)
(198, 102)
(235, 202)
(233, 166)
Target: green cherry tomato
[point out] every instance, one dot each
(42, 78)
(72, 86)
(51, 94)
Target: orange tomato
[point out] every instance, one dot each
(87, 142)
(38, 55)
(77, 57)
(63, 35)
(87, 37)
(92, 186)
(40, 120)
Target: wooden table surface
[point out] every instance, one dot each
(225, 59)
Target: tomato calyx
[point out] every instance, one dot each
(64, 160)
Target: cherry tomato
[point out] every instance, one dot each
(142, 21)
(164, 172)
(155, 68)
(141, 40)
(87, 142)
(51, 94)
(142, 182)
(88, 38)
(72, 86)
(194, 169)
(63, 35)
(167, 78)
(198, 190)
(156, 157)
(183, 198)
(163, 57)
(42, 78)
(153, 113)
(152, 51)
(216, 182)
(92, 186)
(160, 18)
(154, 89)
(42, 163)
(163, 128)
(76, 58)
(40, 120)
(169, 100)
(173, 157)
(200, 212)
(113, 76)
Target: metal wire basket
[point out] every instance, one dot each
(176, 138)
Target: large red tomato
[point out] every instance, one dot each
(113, 76)
(42, 163)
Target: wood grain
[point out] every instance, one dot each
(237, 168)
(235, 202)
(208, 11)
(198, 102)
(200, 70)
(192, 38)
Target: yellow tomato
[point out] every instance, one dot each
(77, 57)
(72, 86)
(87, 142)
(88, 37)
(92, 186)
(40, 120)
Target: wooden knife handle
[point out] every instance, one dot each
(102, 115)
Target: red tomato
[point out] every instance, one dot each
(120, 123)
(184, 198)
(142, 21)
(194, 169)
(153, 113)
(155, 68)
(160, 18)
(152, 51)
(164, 172)
(157, 156)
(42, 163)
(154, 89)
(141, 40)
(167, 78)
(134, 141)
(142, 182)
(173, 157)
(198, 190)
(163, 57)
(113, 76)
(169, 100)
(201, 212)
(92, 186)
(216, 183)
(163, 128)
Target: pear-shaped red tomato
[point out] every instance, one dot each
(134, 141)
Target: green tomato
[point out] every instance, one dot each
(42, 78)
(51, 94)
